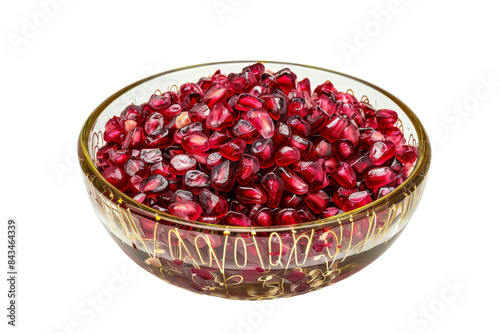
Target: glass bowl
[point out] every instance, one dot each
(259, 262)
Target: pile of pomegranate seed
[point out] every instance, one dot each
(255, 148)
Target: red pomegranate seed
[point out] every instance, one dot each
(297, 107)
(154, 185)
(119, 157)
(343, 149)
(286, 80)
(245, 102)
(316, 118)
(330, 164)
(303, 145)
(282, 134)
(248, 167)
(360, 164)
(251, 194)
(330, 212)
(299, 127)
(214, 159)
(158, 139)
(334, 128)
(381, 152)
(116, 177)
(264, 217)
(370, 137)
(384, 191)
(287, 155)
(233, 149)
(239, 82)
(224, 175)
(172, 111)
(344, 175)
(356, 200)
(153, 123)
(218, 138)
(236, 219)
(341, 195)
(257, 68)
(276, 105)
(328, 104)
(195, 181)
(131, 116)
(151, 155)
(311, 172)
(293, 182)
(221, 116)
(261, 120)
(135, 166)
(187, 210)
(316, 201)
(163, 169)
(182, 163)
(179, 196)
(323, 149)
(212, 204)
(134, 139)
(264, 150)
(159, 102)
(351, 133)
(172, 151)
(199, 112)
(195, 142)
(406, 154)
(216, 93)
(287, 216)
(291, 200)
(379, 176)
(386, 118)
(326, 87)
(274, 186)
(305, 86)
(245, 130)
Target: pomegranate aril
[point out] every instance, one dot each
(360, 164)
(351, 133)
(327, 103)
(356, 200)
(223, 175)
(214, 159)
(303, 145)
(323, 149)
(215, 94)
(334, 128)
(163, 169)
(287, 216)
(151, 155)
(245, 130)
(305, 86)
(195, 181)
(330, 164)
(311, 172)
(117, 177)
(233, 149)
(135, 166)
(140, 198)
(182, 163)
(159, 102)
(286, 80)
(276, 105)
(221, 116)
(344, 175)
(158, 139)
(264, 217)
(293, 183)
(179, 196)
(317, 118)
(341, 195)
(368, 137)
(218, 138)
(257, 68)
(287, 155)
(172, 151)
(195, 142)
(379, 176)
(299, 126)
(386, 118)
(131, 116)
(326, 87)
(172, 111)
(236, 219)
(381, 152)
(406, 154)
(274, 186)
(239, 82)
(187, 210)
(134, 139)
(119, 157)
(153, 123)
(212, 204)
(248, 168)
(199, 112)
(154, 185)
(245, 102)
(261, 120)
(384, 191)
(251, 194)
(282, 134)
(264, 150)
(297, 107)
(397, 166)
(343, 149)
(305, 215)
(330, 212)
(316, 201)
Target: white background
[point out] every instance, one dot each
(435, 56)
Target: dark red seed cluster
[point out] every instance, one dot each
(255, 148)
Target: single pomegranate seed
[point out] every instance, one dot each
(212, 204)
(326, 87)
(383, 191)
(251, 194)
(330, 164)
(224, 175)
(221, 116)
(236, 219)
(305, 86)
(299, 126)
(182, 163)
(134, 139)
(360, 164)
(153, 123)
(140, 198)
(386, 118)
(214, 159)
(245, 130)
(263, 217)
(215, 94)
(370, 137)
(276, 105)
(257, 68)
(154, 185)
(172, 111)
(286, 80)
(287, 216)
(293, 182)
(291, 200)
(195, 142)
(381, 152)
(287, 155)
(311, 172)
(261, 120)
(328, 104)
(351, 133)
(131, 116)
(195, 181)
(135, 166)
(159, 102)
(116, 176)
(356, 200)
(316, 118)
(158, 139)
(264, 150)
(119, 157)
(218, 138)
(303, 145)
(316, 201)
(282, 134)
(239, 82)
(233, 149)
(343, 149)
(334, 128)
(344, 175)
(297, 107)
(323, 149)
(179, 196)
(330, 212)
(407, 154)
(151, 155)
(248, 167)
(274, 186)
(172, 151)
(341, 195)
(199, 112)
(187, 210)
(379, 176)
(245, 102)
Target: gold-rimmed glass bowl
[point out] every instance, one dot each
(259, 262)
